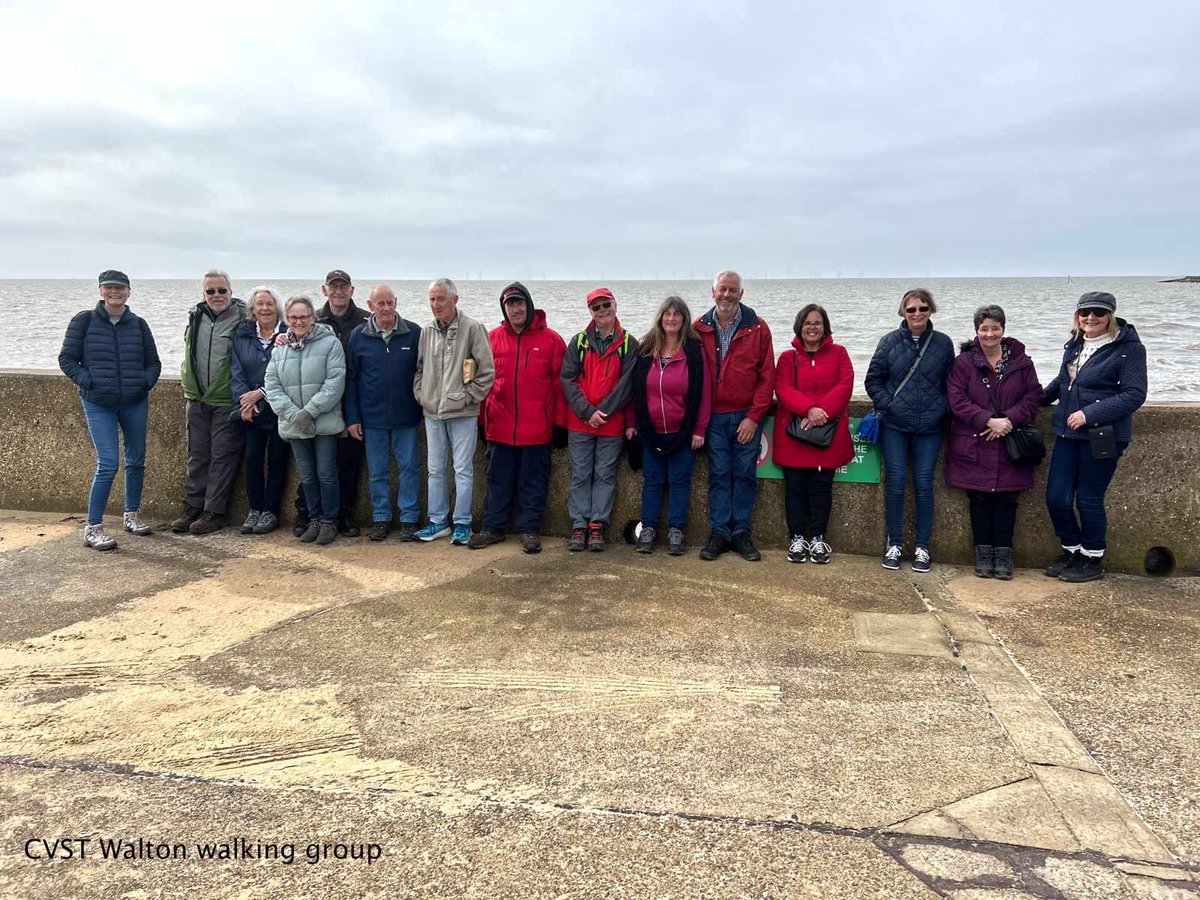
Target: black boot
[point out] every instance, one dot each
(1083, 568)
(983, 560)
(1002, 563)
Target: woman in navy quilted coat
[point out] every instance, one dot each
(914, 409)
(109, 353)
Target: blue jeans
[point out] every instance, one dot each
(316, 466)
(400, 444)
(1076, 480)
(455, 438)
(102, 422)
(657, 472)
(732, 475)
(898, 448)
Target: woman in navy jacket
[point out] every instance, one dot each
(253, 341)
(1101, 383)
(109, 353)
(913, 416)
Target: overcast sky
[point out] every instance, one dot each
(615, 139)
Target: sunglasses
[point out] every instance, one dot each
(211, 291)
(606, 304)
(916, 309)
(1092, 311)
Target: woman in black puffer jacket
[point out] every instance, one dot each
(109, 353)
(913, 409)
(1101, 383)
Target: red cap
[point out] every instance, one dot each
(598, 293)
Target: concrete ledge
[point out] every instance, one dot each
(46, 463)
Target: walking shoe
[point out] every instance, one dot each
(674, 542)
(347, 526)
(984, 565)
(1002, 563)
(645, 539)
(433, 530)
(209, 522)
(379, 530)
(134, 525)
(326, 532)
(267, 522)
(1083, 568)
(596, 536)
(300, 525)
(531, 542)
(920, 561)
(407, 532)
(310, 532)
(578, 540)
(798, 549)
(717, 544)
(461, 535)
(744, 545)
(819, 550)
(1059, 565)
(94, 536)
(252, 518)
(189, 515)
(891, 558)
(485, 538)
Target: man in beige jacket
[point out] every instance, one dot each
(454, 373)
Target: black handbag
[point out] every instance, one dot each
(1103, 441)
(1024, 444)
(817, 435)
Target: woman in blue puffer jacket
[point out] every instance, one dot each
(913, 408)
(1101, 383)
(109, 353)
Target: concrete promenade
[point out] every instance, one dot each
(490, 724)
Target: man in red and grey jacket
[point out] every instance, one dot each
(738, 350)
(596, 374)
(519, 416)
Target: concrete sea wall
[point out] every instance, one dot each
(46, 463)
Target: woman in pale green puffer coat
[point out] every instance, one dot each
(304, 382)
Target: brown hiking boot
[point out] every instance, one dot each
(189, 515)
(208, 523)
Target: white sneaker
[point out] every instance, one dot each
(891, 557)
(920, 561)
(134, 525)
(798, 549)
(819, 550)
(94, 536)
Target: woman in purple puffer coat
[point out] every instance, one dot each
(992, 388)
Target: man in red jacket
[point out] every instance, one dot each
(738, 350)
(520, 415)
(595, 378)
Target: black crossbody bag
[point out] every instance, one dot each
(817, 435)
(1024, 444)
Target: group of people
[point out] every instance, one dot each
(267, 379)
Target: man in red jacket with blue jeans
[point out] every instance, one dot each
(739, 353)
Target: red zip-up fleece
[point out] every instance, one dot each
(801, 382)
(746, 377)
(526, 400)
(600, 381)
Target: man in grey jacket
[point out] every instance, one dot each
(454, 373)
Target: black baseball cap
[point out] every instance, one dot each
(337, 275)
(112, 276)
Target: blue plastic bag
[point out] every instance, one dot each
(868, 426)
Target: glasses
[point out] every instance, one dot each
(298, 319)
(916, 309)
(1091, 311)
(606, 304)
(211, 291)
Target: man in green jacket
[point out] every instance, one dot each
(214, 440)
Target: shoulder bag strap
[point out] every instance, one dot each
(913, 368)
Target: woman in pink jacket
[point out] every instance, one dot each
(813, 381)
(672, 396)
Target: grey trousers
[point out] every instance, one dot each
(214, 451)
(593, 477)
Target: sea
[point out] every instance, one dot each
(861, 310)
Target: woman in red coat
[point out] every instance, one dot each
(812, 381)
(992, 388)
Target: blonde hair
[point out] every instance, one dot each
(1111, 331)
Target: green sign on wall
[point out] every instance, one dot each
(863, 468)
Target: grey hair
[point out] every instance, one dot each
(217, 273)
(299, 300)
(991, 311)
(444, 283)
(273, 293)
(725, 272)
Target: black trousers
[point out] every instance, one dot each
(516, 477)
(350, 456)
(993, 517)
(807, 500)
(265, 448)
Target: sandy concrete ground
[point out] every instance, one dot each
(596, 725)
